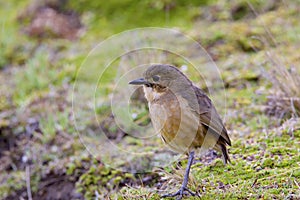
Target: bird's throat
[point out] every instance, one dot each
(153, 93)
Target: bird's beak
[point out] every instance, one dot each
(139, 81)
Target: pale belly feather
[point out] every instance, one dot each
(177, 125)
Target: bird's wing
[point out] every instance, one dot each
(209, 116)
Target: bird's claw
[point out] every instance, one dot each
(182, 191)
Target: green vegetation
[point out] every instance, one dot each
(255, 45)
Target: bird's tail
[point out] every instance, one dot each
(225, 154)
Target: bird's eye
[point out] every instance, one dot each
(155, 78)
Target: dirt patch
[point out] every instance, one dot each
(51, 20)
(54, 186)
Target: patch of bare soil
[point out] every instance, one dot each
(54, 186)
(50, 19)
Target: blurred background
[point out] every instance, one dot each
(255, 45)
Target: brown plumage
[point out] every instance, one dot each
(183, 115)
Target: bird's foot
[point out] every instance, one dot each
(182, 191)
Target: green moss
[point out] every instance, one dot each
(71, 168)
(136, 14)
(296, 173)
(268, 163)
(14, 182)
(37, 77)
(101, 179)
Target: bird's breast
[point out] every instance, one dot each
(178, 126)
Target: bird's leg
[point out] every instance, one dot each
(183, 187)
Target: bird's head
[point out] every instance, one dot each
(159, 78)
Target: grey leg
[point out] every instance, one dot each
(183, 187)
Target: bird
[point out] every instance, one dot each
(183, 115)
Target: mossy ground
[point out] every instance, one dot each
(246, 39)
